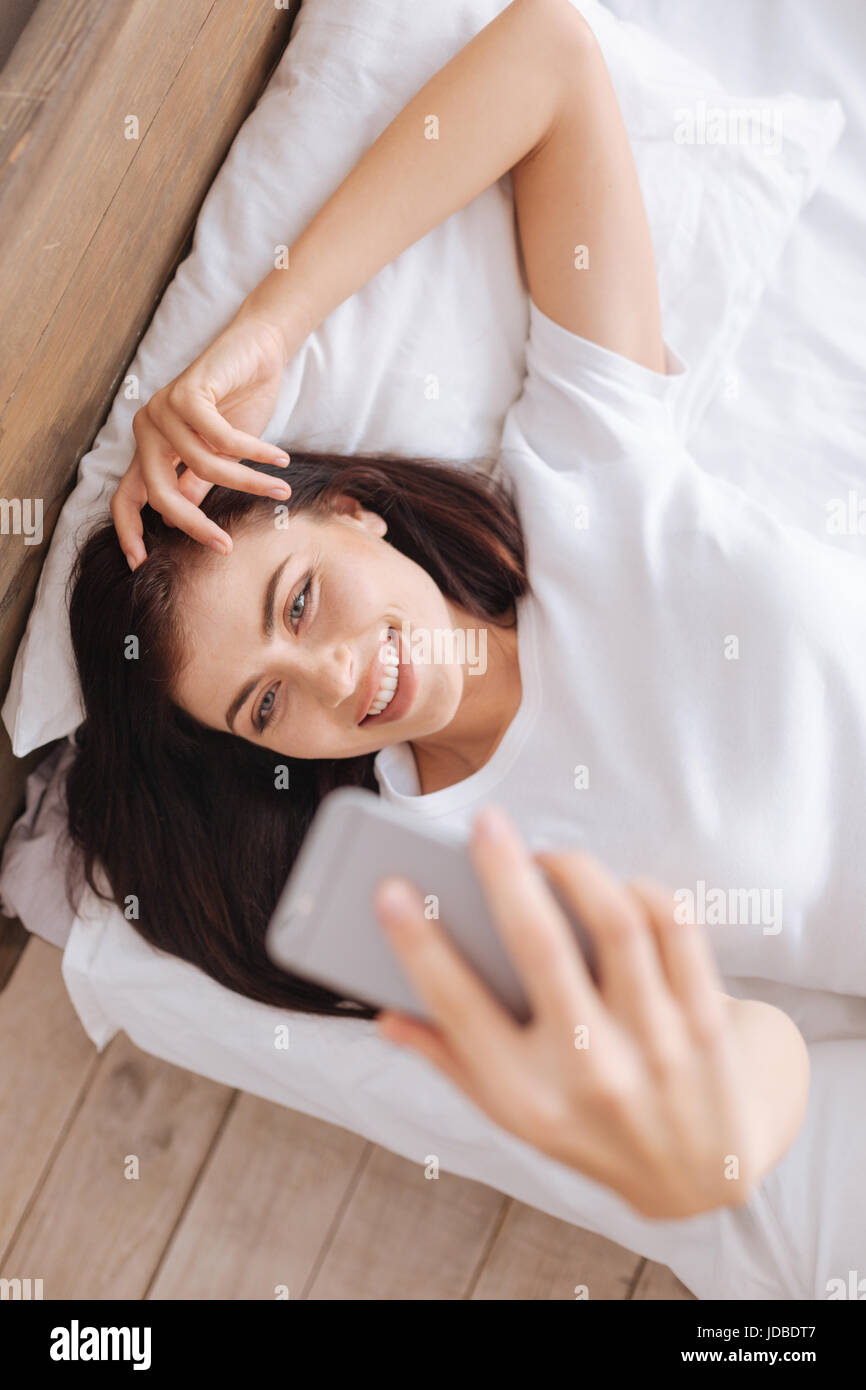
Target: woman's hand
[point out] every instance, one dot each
(653, 1082)
(208, 417)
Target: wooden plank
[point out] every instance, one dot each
(14, 15)
(404, 1236)
(536, 1256)
(237, 1195)
(93, 1231)
(657, 1282)
(79, 70)
(48, 1061)
(190, 91)
(274, 1185)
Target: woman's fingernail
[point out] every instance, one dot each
(131, 560)
(281, 493)
(395, 901)
(491, 824)
(219, 546)
(284, 458)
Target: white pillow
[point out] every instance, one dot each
(451, 307)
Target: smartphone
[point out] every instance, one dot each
(325, 928)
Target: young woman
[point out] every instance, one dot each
(655, 680)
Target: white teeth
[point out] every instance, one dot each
(383, 698)
(389, 682)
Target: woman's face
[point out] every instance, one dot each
(288, 640)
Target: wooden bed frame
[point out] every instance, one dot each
(94, 218)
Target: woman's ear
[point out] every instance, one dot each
(349, 509)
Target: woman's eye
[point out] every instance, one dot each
(296, 611)
(265, 708)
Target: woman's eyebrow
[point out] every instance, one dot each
(267, 632)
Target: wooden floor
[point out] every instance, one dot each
(238, 1198)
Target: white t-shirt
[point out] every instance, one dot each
(693, 671)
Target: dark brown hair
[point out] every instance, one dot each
(185, 822)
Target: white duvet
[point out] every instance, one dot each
(771, 403)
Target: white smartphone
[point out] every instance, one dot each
(325, 928)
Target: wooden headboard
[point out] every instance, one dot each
(96, 211)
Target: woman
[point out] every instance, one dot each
(641, 691)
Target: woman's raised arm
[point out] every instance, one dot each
(583, 226)
(531, 94)
(499, 101)
(512, 99)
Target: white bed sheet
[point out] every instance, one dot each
(807, 1224)
(789, 418)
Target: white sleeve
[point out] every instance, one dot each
(583, 404)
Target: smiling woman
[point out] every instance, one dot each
(328, 589)
(259, 684)
(254, 687)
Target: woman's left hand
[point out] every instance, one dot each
(209, 417)
(642, 1081)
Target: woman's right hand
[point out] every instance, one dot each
(208, 417)
(653, 1081)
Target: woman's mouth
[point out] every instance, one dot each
(395, 684)
(389, 679)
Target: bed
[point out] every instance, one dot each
(759, 291)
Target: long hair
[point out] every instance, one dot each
(186, 828)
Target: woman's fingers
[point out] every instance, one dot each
(158, 457)
(194, 488)
(183, 423)
(157, 462)
(202, 416)
(630, 972)
(475, 1027)
(535, 932)
(187, 516)
(129, 497)
(175, 437)
(421, 1037)
(688, 961)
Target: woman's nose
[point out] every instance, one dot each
(331, 674)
